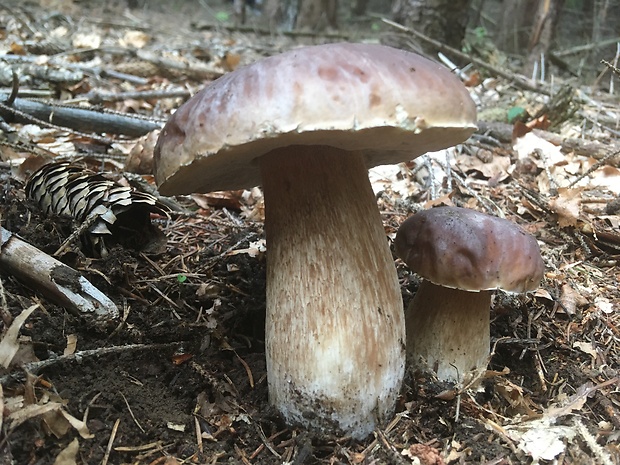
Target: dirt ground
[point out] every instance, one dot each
(180, 376)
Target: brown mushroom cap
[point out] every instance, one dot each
(390, 104)
(468, 250)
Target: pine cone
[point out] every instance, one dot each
(109, 212)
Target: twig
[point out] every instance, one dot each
(599, 164)
(591, 148)
(131, 412)
(395, 457)
(7, 318)
(59, 282)
(108, 449)
(97, 97)
(599, 452)
(76, 119)
(81, 229)
(36, 367)
(586, 48)
(517, 80)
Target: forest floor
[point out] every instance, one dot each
(180, 376)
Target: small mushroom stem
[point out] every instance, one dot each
(448, 331)
(335, 322)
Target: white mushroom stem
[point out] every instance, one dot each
(448, 332)
(335, 322)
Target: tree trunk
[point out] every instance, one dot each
(541, 36)
(442, 20)
(281, 14)
(301, 14)
(312, 12)
(516, 18)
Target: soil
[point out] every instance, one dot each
(187, 353)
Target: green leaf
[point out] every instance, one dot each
(222, 16)
(517, 114)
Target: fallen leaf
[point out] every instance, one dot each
(71, 344)
(496, 168)
(68, 455)
(134, 39)
(586, 347)
(255, 249)
(542, 440)
(87, 40)
(9, 345)
(567, 205)
(570, 299)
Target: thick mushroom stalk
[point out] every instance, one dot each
(334, 329)
(448, 331)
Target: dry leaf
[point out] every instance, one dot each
(71, 344)
(78, 425)
(570, 299)
(89, 40)
(426, 455)
(540, 439)
(255, 249)
(219, 199)
(586, 347)
(530, 143)
(9, 345)
(567, 205)
(68, 455)
(496, 168)
(134, 39)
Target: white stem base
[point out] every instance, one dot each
(448, 332)
(335, 322)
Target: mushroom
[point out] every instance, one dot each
(462, 255)
(307, 124)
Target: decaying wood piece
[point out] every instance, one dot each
(80, 119)
(57, 281)
(589, 148)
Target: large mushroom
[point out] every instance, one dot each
(463, 255)
(307, 124)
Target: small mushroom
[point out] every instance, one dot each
(462, 255)
(307, 124)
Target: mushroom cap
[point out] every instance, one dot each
(390, 104)
(468, 250)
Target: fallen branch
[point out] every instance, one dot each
(589, 148)
(57, 281)
(36, 367)
(79, 119)
(516, 79)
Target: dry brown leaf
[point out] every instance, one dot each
(134, 39)
(570, 299)
(68, 455)
(256, 248)
(496, 168)
(516, 397)
(71, 344)
(426, 455)
(219, 199)
(567, 205)
(87, 40)
(9, 344)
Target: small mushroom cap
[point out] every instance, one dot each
(391, 104)
(468, 250)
